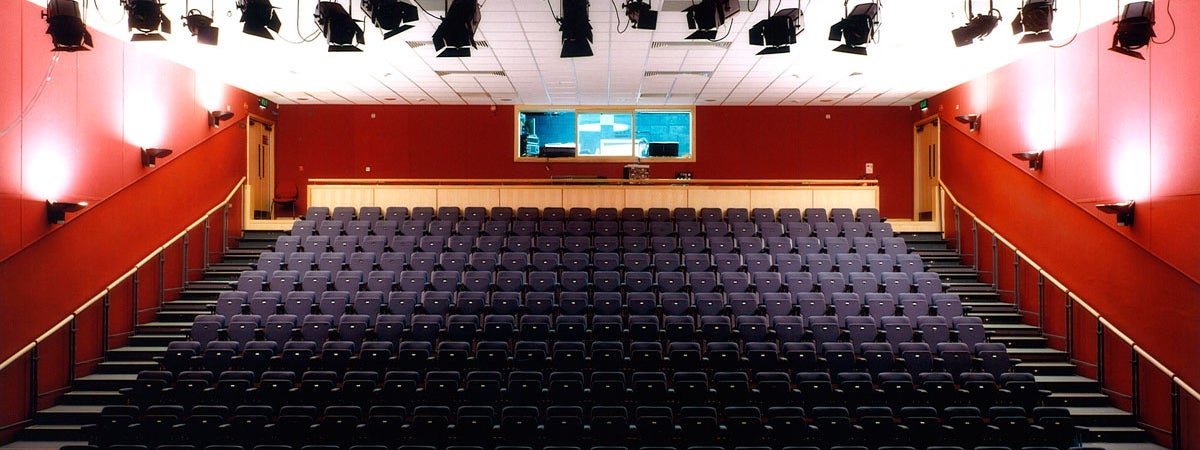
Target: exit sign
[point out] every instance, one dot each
(262, 102)
(924, 104)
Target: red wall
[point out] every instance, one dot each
(477, 142)
(1113, 128)
(88, 121)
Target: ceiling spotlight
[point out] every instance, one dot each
(341, 30)
(1034, 20)
(65, 27)
(201, 27)
(258, 16)
(576, 30)
(1034, 158)
(147, 17)
(972, 120)
(149, 155)
(1135, 29)
(391, 16)
(979, 26)
(56, 212)
(777, 32)
(216, 117)
(1123, 210)
(455, 36)
(857, 29)
(706, 16)
(640, 15)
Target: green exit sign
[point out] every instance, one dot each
(262, 102)
(924, 104)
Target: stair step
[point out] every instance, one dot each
(1115, 434)
(135, 353)
(1067, 383)
(1021, 341)
(179, 316)
(165, 327)
(1077, 399)
(126, 366)
(156, 339)
(998, 317)
(1101, 416)
(105, 381)
(189, 305)
(68, 414)
(85, 397)
(1011, 329)
(1045, 368)
(53, 433)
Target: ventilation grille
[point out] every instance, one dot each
(647, 95)
(678, 73)
(471, 73)
(691, 44)
(417, 44)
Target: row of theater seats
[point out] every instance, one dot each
(485, 425)
(508, 214)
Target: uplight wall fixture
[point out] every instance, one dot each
(216, 117)
(1123, 210)
(1034, 158)
(150, 154)
(56, 212)
(972, 121)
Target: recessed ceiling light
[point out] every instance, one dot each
(506, 99)
(390, 99)
(302, 98)
(826, 100)
(710, 100)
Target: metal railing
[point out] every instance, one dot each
(1072, 305)
(158, 260)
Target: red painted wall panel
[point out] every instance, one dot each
(477, 142)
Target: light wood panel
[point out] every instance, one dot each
(845, 198)
(536, 197)
(669, 197)
(781, 198)
(700, 197)
(355, 196)
(468, 196)
(409, 196)
(594, 197)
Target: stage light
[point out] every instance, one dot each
(201, 27)
(340, 30)
(706, 16)
(65, 27)
(258, 16)
(857, 29)
(972, 121)
(1135, 29)
(150, 154)
(56, 212)
(455, 36)
(1123, 210)
(391, 16)
(147, 17)
(640, 15)
(576, 29)
(1034, 158)
(1034, 20)
(979, 26)
(777, 32)
(216, 117)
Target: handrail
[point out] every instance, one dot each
(608, 181)
(1075, 298)
(70, 317)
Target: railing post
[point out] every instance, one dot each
(136, 288)
(1017, 281)
(71, 357)
(975, 247)
(1041, 302)
(162, 274)
(104, 327)
(1070, 326)
(225, 229)
(207, 229)
(185, 258)
(957, 230)
(33, 380)
(995, 262)
(1176, 422)
(1100, 353)
(1134, 361)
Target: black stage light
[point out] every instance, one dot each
(201, 27)
(979, 26)
(340, 30)
(455, 36)
(65, 27)
(391, 16)
(706, 16)
(856, 29)
(147, 17)
(1135, 29)
(576, 29)
(258, 16)
(1034, 21)
(640, 15)
(777, 32)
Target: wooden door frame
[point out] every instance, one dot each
(249, 199)
(937, 168)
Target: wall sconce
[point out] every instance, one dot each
(1124, 212)
(216, 117)
(56, 212)
(972, 120)
(149, 154)
(1034, 158)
